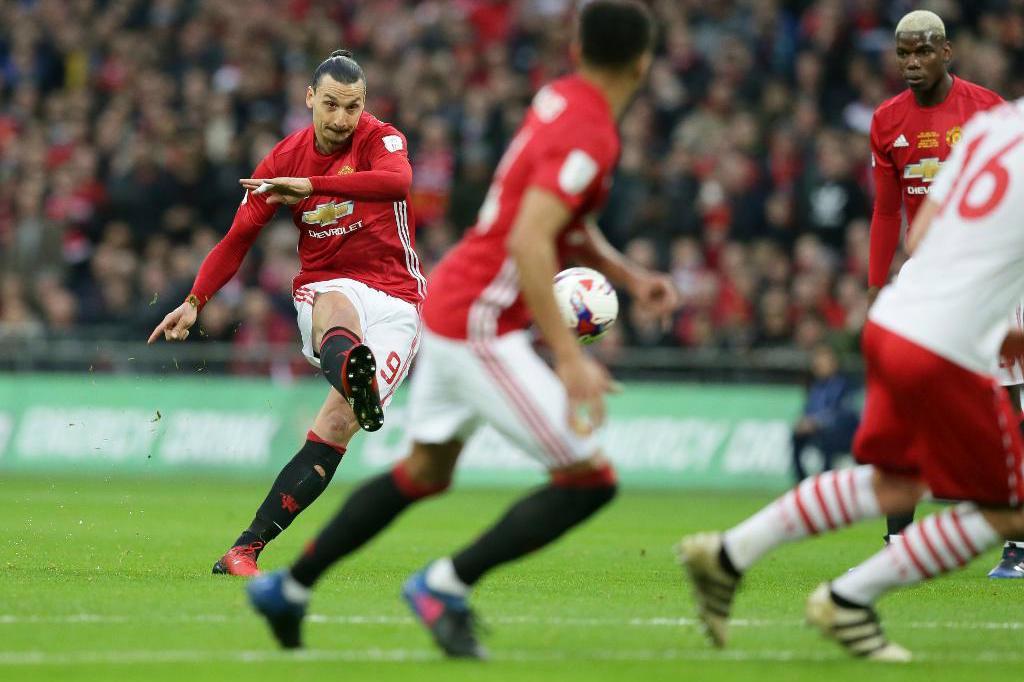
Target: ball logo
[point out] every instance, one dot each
(587, 301)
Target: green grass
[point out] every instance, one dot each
(109, 579)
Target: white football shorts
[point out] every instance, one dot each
(460, 385)
(390, 327)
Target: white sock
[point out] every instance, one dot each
(441, 577)
(932, 546)
(834, 499)
(293, 590)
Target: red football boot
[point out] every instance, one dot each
(240, 560)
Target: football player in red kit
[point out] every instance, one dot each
(345, 180)
(912, 134)
(478, 365)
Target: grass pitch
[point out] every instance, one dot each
(110, 579)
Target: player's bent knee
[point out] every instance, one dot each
(416, 483)
(594, 485)
(336, 422)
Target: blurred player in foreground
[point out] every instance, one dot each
(912, 134)
(477, 365)
(935, 417)
(345, 179)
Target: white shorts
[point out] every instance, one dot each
(390, 326)
(1012, 375)
(460, 385)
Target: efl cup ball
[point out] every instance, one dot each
(587, 302)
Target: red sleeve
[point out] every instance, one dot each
(223, 261)
(573, 171)
(886, 218)
(389, 177)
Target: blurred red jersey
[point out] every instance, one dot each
(366, 234)
(909, 143)
(568, 145)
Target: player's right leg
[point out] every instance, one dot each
(347, 363)
(1011, 563)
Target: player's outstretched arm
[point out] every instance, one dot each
(531, 244)
(285, 191)
(652, 290)
(389, 178)
(175, 325)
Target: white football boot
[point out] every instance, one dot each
(857, 630)
(713, 586)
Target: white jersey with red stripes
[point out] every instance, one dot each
(953, 296)
(568, 145)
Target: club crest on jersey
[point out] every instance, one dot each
(923, 170)
(953, 136)
(328, 214)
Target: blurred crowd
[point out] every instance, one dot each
(125, 125)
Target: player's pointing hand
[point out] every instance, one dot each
(176, 323)
(279, 190)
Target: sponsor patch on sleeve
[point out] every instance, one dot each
(392, 142)
(578, 170)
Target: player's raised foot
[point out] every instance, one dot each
(359, 378)
(1011, 565)
(714, 587)
(282, 601)
(448, 617)
(239, 560)
(855, 628)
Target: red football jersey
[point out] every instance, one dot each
(909, 143)
(568, 144)
(359, 237)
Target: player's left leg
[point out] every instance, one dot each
(1011, 563)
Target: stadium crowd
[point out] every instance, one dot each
(125, 125)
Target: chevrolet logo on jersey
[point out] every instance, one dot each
(328, 214)
(923, 170)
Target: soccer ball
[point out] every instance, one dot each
(587, 301)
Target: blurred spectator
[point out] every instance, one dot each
(829, 418)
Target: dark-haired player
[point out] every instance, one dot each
(478, 366)
(911, 136)
(345, 179)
